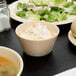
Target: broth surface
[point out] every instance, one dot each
(7, 67)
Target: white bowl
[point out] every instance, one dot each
(73, 28)
(13, 8)
(37, 47)
(13, 56)
(71, 38)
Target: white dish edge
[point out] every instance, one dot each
(15, 17)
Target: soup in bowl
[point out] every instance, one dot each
(37, 37)
(11, 63)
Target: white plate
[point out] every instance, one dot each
(13, 15)
(71, 38)
(69, 72)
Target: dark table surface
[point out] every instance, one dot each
(62, 57)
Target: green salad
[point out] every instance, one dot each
(46, 10)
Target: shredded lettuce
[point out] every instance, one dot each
(55, 14)
(31, 16)
(73, 10)
(55, 8)
(22, 6)
(60, 2)
(21, 10)
(21, 14)
(46, 13)
(68, 4)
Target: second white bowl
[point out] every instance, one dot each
(37, 47)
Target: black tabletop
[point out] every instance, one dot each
(62, 57)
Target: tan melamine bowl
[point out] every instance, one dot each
(13, 56)
(37, 47)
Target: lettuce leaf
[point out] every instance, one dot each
(68, 4)
(22, 6)
(73, 11)
(55, 14)
(21, 14)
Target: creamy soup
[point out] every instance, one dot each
(37, 32)
(7, 67)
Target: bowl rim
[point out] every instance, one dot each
(12, 8)
(19, 57)
(71, 38)
(37, 22)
